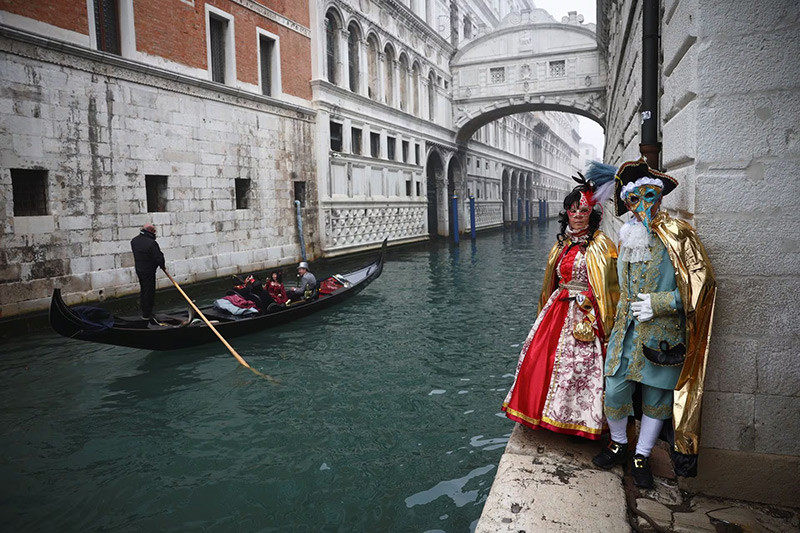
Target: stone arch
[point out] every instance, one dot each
(513, 195)
(487, 114)
(434, 182)
(456, 186)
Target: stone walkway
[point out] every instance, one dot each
(546, 483)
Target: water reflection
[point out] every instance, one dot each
(453, 489)
(394, 393)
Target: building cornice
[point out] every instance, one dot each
(274, 16)
(365, 103)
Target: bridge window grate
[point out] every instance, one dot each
(497, 74)
(558, 69)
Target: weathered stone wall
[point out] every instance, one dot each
(729, 112)
(98, 125)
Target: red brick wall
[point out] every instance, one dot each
(176, 31)
(179, 35)
(67, 14)
(171, 29)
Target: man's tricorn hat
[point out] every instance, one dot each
(634, 174)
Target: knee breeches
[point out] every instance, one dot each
(618, 404)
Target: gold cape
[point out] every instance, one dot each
(601, 262)
(696, 284)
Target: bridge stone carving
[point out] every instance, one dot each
(529, 62)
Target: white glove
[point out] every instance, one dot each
(643, 309)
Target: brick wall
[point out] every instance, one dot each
(67, 14)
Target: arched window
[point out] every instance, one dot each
(353, 42)
(432, 95)
(415, 89)
(332, 54)
(388, 82)
(403, 82)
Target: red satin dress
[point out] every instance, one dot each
(559, 380)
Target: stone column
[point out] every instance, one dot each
(344, 60)
(381, 75)
(423, 97)
(363, 58)
(396, 84)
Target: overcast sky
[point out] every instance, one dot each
(590, 131)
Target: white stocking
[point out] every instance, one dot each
(648, 433)
(619, 430)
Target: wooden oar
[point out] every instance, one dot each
(217, 333)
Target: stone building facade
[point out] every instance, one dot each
(728, 122)
(388, 159)
(211, 118)
(196, 118)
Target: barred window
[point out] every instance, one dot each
(497, 74)
(266, 51)
(156, 190)
(374, 144)
(355, 141)
(558, 69)
(336, 136)
(29, 190)
(300, 192)
(217, 27)
(106, 25)
(242, 189)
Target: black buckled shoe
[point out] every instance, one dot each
(611, 455)
(640, 471)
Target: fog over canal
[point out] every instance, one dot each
(387, 417)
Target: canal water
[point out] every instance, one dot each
(386, 418)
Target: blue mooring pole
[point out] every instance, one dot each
(527, 212)
(519, 212)
(455, 219)
(472, 216)
(300, 230)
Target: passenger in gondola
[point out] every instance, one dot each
(275, 288)
(306, 285)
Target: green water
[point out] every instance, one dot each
(387, 415)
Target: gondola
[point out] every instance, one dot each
(182, 330)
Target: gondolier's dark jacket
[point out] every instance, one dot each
(147, 254)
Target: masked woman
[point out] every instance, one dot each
(559, 379)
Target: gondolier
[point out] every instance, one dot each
(147, 258)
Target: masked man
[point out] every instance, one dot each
(661, 329)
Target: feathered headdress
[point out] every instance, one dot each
(597, 185)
